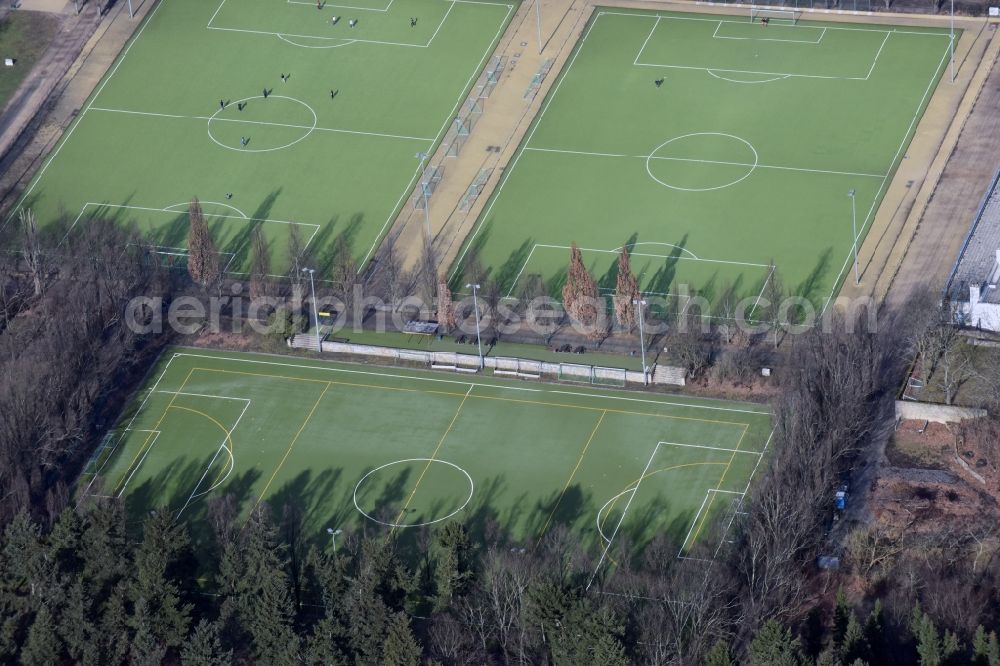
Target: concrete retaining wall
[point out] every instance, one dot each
(926, 411)
(514, 367)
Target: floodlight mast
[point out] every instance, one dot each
(642, 340)
(854, 226)
(952, 40)
(538, 22)
(333, 537)
(475, 305)
(423, 192)
(312, 287)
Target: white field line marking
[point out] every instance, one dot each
(166, 210)
(648, 37)
(203, 203)
(79, 119)
(203, 395)
(935, 33)
(232, 459)
(517, 278)
(552, 95)
(622, 519)
(885, 180)
(600, 512)
(502, 387)
(877, 54)
(687, 537)
(264, 123)
(716, 35)
(346, 42)
(363, 9)
(538, 121)
(142, 405)
(701, 161)
(711, 448)
(216, 13)
(444, 128)
(726, 78)
(634, 254)
(678, 247)
(282, 35)
(97, 472)
(761, 294)
(782, 74)
(657, 402)
(751, 71)
(139, 464)
(739, 505)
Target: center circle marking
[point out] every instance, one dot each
(750, 167)
(472, 489)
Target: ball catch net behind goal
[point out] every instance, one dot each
(781, 16)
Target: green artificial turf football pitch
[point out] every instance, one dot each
(354, 447)
(154, 135)
(744, 153)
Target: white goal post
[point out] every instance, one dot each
(784, 16)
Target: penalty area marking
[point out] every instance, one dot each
(83, 211)
(186, 204)
(394, 525)
(337, 6)
(227, 445)
(694, 257)
(780, 77)
(284, 38)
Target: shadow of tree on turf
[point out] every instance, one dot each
(472, 253)
(508, 271)
(663, 279)
(609, 280)
(811, 287)
(239, 243)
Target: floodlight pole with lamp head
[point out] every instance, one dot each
(642, 340)
(475, 305)
(333, 537)
(952, 40)
(854, 227)
(538, 22)
(312, 287)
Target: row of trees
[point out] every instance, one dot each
(67, 357)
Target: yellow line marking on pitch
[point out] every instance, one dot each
(290, 445)
(610, 505)
(481, 397)
(570, 479)
(718, 486)
(154, 428)
(431, 459)
(229, 435)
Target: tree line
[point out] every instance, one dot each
(84, 585)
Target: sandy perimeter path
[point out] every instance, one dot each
(508, 115)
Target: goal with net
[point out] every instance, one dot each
(782, 16)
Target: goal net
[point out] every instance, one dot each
(782, 16)
(608, 376)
